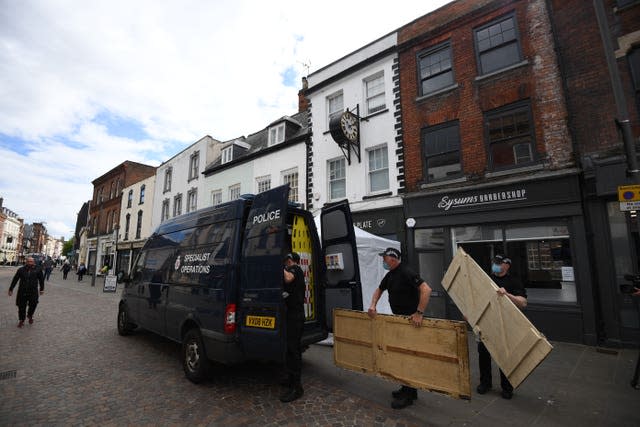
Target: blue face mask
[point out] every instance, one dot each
(385, 266)
(496, 268)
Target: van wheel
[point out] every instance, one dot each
(194, 358)
(125, 327)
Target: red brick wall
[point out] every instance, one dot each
(538, 81)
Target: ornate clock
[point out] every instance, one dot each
(344, 128)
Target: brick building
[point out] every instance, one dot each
(104, 210)
(489, 163)
(598, 45)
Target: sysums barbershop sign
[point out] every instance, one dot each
(448, 202)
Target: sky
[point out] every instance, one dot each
(88, 84)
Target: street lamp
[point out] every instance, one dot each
(116, 229)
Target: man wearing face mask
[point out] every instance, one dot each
(408, 295)
(510, 287)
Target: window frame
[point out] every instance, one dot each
(216, 195)
(517, 41)
(139, 225)
(293, 188)
(511, 109)
(430, 130)
(330, 114)
(343, 178)
(127, 224)
(130, 198)
(226, 155)
(194, 165)
(192, 200)
(143, 189)
(164, 214)
(279, 131)
(365, 83)
(168, 172)
(261, 181)
(381, 148)
(233, 189)
(177, 205)
(433, 50)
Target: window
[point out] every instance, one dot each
(435, 69)
(497, 45)
(109, 221)
(234, 192)
(633, 58)
(378, 169)
(194, 162)
(130, 198)
(291, 177)
(263, 183)
(167, 180)
(510, 136)
(192, 200)
(127, 224)
(112, 190)
(216, 197)
(374, 92)
(337, 179)
(142, 189)
(177, 205)
(139, 225)
(335, 105)
(165, 210)
(276, 134)
(100, 195)
(227, 154)
(441, 148)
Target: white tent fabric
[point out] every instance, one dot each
(370, 263)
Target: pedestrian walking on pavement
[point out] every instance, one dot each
(29, 277)
(82, 270)
(48, 268)
(408, 295)
(294, 288)
(512, 288)
(66, 267)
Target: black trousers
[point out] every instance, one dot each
(484, 359)
(31, 301)
(293, 359)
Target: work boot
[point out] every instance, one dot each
(507, 394)
(21, 324)
(30, 320)
(398, 393)
(483, 388)
(292, 394)
(402, 402)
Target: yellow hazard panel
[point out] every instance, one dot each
(301, 243)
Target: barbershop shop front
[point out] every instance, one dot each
(537, 223)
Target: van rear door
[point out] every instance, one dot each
(343, 288)
(260, 308)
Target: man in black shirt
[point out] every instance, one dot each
(510, 287)
(409, 296)
(294, 288)
(29, 276)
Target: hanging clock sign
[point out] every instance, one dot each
(344, 128)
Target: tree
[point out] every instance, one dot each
(67, 247)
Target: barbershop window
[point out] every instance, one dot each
(540, 253)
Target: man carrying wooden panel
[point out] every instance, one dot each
(512, 288)
(408, 295)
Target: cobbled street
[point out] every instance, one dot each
(72, 368)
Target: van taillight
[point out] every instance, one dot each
(230, 319)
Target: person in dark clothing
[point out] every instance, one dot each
(408, 295)
(82, 270)
(512, 288)
(48, 268)
(66, 267)
(294, 289)
(29, 277)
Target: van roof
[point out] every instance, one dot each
(229, 211)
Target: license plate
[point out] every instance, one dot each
(267, 322)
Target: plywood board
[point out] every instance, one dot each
(515, 344)
(433, 357)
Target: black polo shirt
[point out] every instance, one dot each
(402, 283)
(511, 284)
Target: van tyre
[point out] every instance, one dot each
(125, 327)
(194, 359)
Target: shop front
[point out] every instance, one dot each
(387, 223)
(538, 223)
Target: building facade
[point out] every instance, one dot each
(489, 163)
(598, 45)
(136, 212)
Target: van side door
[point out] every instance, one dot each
(260, 312)
(343, 288)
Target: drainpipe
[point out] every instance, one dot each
(621, 106)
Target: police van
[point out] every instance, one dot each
(212, 279)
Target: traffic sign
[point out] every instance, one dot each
(629, 193)
(630, 206)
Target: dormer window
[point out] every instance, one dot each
(227, 154)
(276, 134)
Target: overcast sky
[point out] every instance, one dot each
(88, 84)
